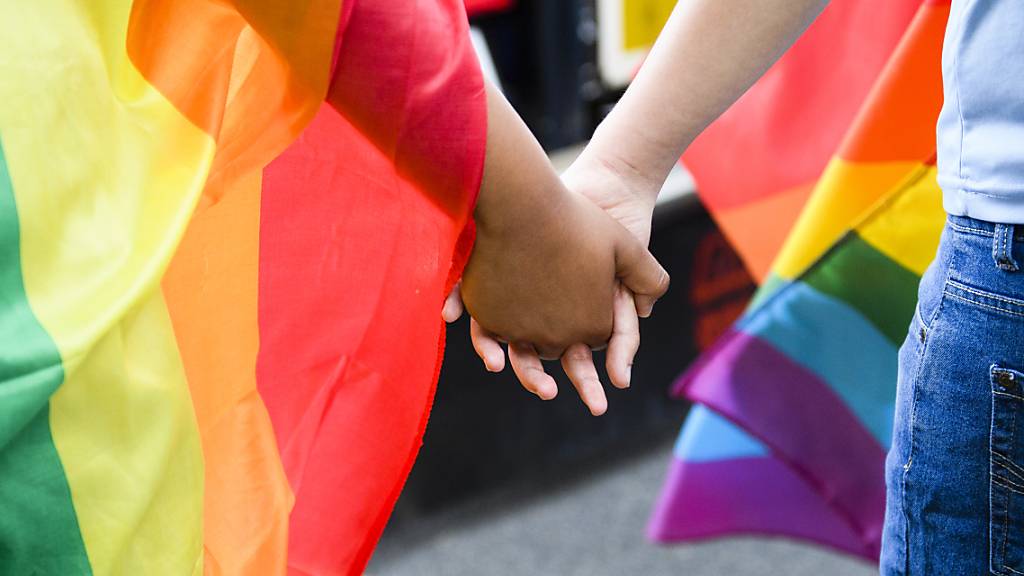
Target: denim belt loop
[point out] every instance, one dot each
(1002, 248)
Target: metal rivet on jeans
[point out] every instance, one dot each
(1006, 380)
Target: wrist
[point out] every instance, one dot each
(638, 164)
(510, 207)
(632, 182)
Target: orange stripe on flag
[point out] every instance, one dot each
(755, 226)
(252, 74)
(210, 290)
(898, 120)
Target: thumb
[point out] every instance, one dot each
(640, 272)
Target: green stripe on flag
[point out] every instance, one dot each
(39, 531)
(880, 289)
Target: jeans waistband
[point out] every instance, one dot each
(1004, 239)
(970, 225)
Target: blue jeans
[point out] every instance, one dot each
(955, 473)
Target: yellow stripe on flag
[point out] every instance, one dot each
(106, 173)
(844, 194)
(908, 230)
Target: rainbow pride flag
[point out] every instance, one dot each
(796, 401)
(226, 231)
(787, 127)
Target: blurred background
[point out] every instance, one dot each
(507, 484)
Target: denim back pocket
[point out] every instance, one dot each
(1006, 453)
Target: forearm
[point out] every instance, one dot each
(518, 178)
(545, 261)
(709, 54)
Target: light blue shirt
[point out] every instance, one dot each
(981, 127)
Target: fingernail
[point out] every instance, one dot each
(629, 374)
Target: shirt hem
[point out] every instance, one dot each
(1000, 209)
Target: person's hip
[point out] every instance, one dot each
(955, 473)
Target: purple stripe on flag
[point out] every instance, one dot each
(801, 420)
(757, 495)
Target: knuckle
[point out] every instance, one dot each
(626, 344)
(578, 354)
(662, 284)
(632, 340)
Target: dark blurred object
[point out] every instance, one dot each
(545, 54)
(486, 432)
(720, 289)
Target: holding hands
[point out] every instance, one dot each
(556, 273)
(551, 277)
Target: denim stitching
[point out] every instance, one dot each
(919, 369)
(1008, 469)
(1004, 232)
(1013, 467)
(910, 440)
(997, 480)
(1008, 484)
(1009, 464)
(969, 230)
(942, 301)
(976, 303)
(916, 316)
(991, 492)
(1006, 516)
(1008, 249)
(976, 292)
(1001, 236)
(1003, 256)
(980, 231)
(1002, 242)
(1005, 474)
(1008, 395)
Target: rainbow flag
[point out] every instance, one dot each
(226, 231)
(787, 127)
(796, 401)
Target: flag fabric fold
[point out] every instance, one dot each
(797, 399)
(228, 228)
(786, 128)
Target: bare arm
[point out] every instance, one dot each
(537, 259)
(544, 266)
(709, 54)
